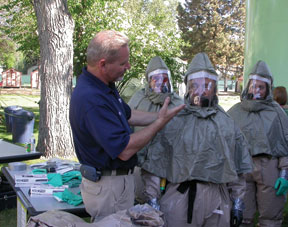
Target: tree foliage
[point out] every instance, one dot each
(217, 28)
(21, 27)
(91, 16)
(8, 52)
(7, 47)
(151, 26)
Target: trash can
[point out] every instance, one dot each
(9, 111)
(23, 125)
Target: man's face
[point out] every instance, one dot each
(115, 70)
(159, 83)
(201, 91)
(258, 89)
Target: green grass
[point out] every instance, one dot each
(8, 217)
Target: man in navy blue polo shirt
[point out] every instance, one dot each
(100, 122)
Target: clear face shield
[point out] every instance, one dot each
(201, 88)
(258, 87)
(159, 81)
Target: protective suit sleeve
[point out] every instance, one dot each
(237, 188)
(283, 163)
(242, 157)
(135, 99)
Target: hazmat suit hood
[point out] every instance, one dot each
(148, 100)
(260, 118)
(259, 74)
(200, 62)
(154, 64)
(201, 82)
(158, 77)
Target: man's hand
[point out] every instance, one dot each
(166, 114)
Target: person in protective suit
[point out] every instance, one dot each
(202, 154)
(265, 126)
(150, 99)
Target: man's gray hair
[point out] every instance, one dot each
(105, 44)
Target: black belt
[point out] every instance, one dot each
(94, 174)
(116, 172)
(192, 187)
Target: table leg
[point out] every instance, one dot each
(21, 214)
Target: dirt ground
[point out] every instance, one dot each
(19, 96)
(20, 91)
(228, 99)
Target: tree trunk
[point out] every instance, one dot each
(55, 27)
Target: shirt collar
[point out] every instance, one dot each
(104, 87)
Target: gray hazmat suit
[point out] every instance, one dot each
(147, 186)
(265, 126)
(200, 152)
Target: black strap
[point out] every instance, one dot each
(192, 186)
(108, 172)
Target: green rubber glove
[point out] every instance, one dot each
(281, 186)
(72, 178)
(39, 171)
(55, 179)
(69, 197)
(66, 177)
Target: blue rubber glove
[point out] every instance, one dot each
(281, 186)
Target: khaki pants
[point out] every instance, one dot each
(211, 206)
(139, 185)
(147, 185)
(107, 196)
(260, 194)
(151, 185)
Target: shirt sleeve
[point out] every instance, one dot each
(108, 129)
